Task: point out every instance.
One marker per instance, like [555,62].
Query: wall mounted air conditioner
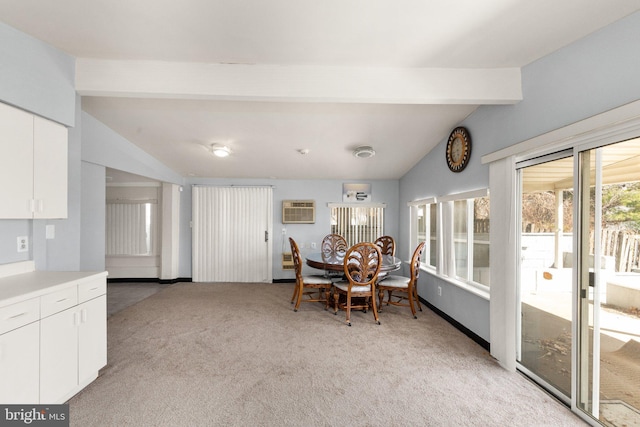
[298,211]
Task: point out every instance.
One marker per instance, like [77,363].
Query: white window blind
[357,223]
[232,234]
[128,228]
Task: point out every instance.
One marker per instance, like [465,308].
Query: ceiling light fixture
[220,150]
[364,151]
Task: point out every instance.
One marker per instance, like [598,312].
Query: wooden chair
[387,245]
[361,267]
[315,288]
[333,247]
[407,286]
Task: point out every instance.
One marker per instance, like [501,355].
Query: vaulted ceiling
[270,79]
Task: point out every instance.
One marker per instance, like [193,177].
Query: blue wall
[593,75]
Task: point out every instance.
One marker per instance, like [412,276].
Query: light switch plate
[50,231]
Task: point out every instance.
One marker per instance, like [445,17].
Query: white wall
[591,76]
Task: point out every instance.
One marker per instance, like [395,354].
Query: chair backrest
[387,245]
[297,263]
[362,264]
[333,246]
[415,261]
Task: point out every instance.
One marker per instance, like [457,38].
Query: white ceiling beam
[157,79]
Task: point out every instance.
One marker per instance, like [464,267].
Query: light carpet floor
[238,355]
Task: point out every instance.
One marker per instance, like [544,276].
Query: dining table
[335,262]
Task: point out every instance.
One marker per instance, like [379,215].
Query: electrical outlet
[284,231]
[439,291]
[23,244]
[313,245]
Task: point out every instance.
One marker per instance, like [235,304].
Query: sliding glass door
[579,279]
[608,303]
[546,270]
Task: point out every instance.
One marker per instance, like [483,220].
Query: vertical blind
[357,223]
[128,228]
[231,234]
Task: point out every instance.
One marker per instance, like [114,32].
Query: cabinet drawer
[90,290]
[19,314]
[58,301]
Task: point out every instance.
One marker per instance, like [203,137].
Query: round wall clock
[458,149]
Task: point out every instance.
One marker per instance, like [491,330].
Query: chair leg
[295,292]
[417,298]
[380,298]
[336,297]
[349,310]
[375,310]
[413,310]
[326,297]
[300,292]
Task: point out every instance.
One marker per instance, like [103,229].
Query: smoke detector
[364,151]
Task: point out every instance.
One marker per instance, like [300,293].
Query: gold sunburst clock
[458,149]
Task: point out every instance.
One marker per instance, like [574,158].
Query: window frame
[445,243]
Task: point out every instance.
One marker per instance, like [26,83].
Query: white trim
[471,288]
[357,205]
[473,194]
[427,201]
[611,126]
[133,184]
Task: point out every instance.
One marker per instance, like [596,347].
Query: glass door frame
[520,165]
[585,362]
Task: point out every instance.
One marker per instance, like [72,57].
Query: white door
[92,337]
[19,359]
[58,355]
[232,234]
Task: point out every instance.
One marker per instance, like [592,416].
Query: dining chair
[361,267]
[315,288]
[387,245]
[333,247]
[406,286]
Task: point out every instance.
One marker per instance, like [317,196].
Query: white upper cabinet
[16,163]
[49,169]
[33,166]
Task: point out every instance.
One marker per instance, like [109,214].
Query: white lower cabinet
[52,343]
[19,358]
[73,345]
[92,342]
[58,355]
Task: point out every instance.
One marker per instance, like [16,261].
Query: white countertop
[24,286]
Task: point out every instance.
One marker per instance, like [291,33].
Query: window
[471,239]
[424,218]
[130,228]
[361,223]
[456,230]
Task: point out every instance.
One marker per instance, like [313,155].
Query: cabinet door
[19,360]
[92,337]
[16,162]
[58,355]
[50,169]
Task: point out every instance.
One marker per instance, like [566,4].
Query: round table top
[336,262]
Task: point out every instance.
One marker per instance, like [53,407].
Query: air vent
[287,261]
[298,211]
